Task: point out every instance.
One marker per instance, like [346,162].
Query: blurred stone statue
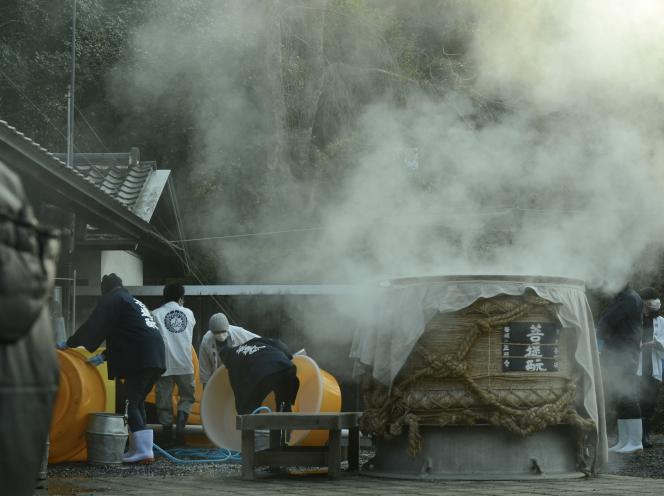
[28,364]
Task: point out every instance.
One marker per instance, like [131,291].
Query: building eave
[33,162]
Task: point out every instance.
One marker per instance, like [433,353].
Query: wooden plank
[334,454]
[275,445]
[354,449]
[297,449]
[248,455]
[275,439]
[291,458]
[311,421]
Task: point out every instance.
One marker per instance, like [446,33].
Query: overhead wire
[192,266]
[153,230]
[175,245]
[43,114]
[498,211]
[178,220]
[268,233]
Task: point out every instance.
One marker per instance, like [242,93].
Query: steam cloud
[563,179]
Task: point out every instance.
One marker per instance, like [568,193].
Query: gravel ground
[648,464]
[161,467]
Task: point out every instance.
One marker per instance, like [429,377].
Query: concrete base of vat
[477,453]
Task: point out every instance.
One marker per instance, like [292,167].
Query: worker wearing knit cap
[135,353]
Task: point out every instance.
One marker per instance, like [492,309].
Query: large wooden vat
[497,377]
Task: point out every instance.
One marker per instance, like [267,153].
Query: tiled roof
[119,175]
[131,189]
[114,173]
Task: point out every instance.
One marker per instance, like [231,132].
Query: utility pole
[70,94]
[71,272]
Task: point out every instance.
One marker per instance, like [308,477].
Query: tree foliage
[242,109]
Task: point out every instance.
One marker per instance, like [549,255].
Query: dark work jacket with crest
[133,341]
[253,361]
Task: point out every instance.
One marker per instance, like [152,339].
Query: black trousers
[138,385]
[649,389]
[285,385]
[621,384]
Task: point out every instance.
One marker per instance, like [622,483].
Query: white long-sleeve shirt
[176,325]
[208,358]
[657,355]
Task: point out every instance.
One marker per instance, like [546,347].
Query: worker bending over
[257,368]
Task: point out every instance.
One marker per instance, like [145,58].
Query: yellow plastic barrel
[319,392]
[83,390]
[195,415]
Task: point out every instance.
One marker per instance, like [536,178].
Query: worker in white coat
[650,359]
[176,325]
[219,331]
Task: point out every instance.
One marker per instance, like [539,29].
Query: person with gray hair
[219,331]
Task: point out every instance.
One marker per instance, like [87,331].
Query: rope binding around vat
[388,413]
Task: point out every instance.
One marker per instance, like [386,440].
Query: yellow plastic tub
[83,389]
[319,392]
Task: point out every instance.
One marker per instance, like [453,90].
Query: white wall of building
[126,264]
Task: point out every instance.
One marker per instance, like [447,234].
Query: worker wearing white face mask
[220,331]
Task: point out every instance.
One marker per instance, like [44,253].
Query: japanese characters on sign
[531,347]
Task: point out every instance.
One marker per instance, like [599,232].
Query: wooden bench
[281,455]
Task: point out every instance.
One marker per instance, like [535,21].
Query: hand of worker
[61,345]
[96,360]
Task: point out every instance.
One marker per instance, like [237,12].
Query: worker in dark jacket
[258,367]
[650,363]
[28,364]
[135,353]
[620,329]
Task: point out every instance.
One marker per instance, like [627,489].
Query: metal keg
[106,437]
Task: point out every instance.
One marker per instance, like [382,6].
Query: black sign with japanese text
[530,347]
